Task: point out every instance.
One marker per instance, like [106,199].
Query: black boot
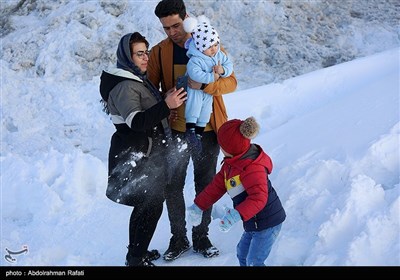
[203,246]
[149,256]
[177,246]
[152,255]
[138,262]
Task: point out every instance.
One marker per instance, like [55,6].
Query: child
[207,63]
[244,176]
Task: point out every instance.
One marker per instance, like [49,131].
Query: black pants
[146,195]
[204,170]
[143,223]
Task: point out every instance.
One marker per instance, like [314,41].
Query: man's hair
[170,7]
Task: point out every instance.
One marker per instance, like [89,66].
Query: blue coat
[200,69]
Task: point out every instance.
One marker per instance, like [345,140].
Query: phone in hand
[182,81]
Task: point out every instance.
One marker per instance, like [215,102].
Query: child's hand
[195,214]
[231,217]
[219,69]
[216,76]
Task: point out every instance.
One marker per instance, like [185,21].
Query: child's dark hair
[170,7]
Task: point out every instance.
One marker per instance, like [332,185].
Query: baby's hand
[219,69]
[216,76]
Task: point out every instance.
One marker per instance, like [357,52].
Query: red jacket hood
[241,161]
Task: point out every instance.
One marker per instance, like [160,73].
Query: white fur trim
[203,18]
[189,24]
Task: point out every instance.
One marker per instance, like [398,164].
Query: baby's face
[211,51]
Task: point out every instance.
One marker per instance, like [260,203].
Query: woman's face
[140,56]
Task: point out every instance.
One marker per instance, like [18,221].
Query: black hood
[108,82]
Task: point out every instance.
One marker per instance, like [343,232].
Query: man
[166,63]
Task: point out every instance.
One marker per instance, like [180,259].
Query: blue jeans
[254,246]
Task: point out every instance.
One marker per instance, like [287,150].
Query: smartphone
[182,81]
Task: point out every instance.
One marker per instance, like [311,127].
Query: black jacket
[137,156]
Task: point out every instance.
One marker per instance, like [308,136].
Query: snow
[332,133]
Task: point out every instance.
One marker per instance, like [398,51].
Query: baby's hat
[203,33]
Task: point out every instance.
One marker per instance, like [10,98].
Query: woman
[137,166]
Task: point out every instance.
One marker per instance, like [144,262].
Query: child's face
[211,51]
[225,153]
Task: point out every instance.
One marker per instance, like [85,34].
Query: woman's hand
[175,97]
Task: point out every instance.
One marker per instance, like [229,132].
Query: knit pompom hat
[203,34]
[234,136]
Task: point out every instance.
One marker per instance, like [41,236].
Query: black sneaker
[152,255]
[203,246]
[177,246]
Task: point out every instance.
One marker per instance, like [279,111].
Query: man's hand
[193,84]
[173,115]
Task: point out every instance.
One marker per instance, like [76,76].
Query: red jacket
[245,178]
[242,173]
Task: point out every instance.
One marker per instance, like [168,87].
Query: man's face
[173,27]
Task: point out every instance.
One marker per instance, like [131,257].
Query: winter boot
[138,262]
[152,255]
[194,142]
[177,246]
[149,256]
[203,246]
